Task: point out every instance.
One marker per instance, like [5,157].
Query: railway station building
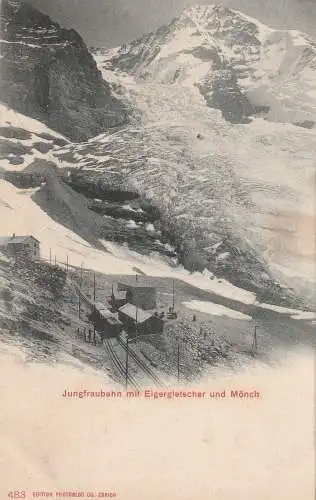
[137,321]
[118,297]
[139,295]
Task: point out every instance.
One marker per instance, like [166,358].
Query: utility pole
[172,295]
[126,364]
[55,261]
[80,286]
[178,358]
[81,274]
[255,341]
[94,293]
[136,319]
[50,256]
[67,264]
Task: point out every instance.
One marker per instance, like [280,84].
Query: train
[131,319]
[104,320]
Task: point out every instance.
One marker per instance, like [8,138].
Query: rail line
[116,360]
[118,364]
[141,364]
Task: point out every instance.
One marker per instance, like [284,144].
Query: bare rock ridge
[49,74]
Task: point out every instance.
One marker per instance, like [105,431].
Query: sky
[108,23]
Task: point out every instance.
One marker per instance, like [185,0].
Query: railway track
[141,364]
[116,360]
[119,365]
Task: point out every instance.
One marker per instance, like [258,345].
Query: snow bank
[215,309]
[295,313]
[21,215]
[155,265]
[11,117]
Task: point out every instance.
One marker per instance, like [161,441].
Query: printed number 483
[17,494]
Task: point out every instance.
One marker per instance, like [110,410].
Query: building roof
[114,321]
[106,314]
[136,285]
[5,240]
[104,311]
[135,313]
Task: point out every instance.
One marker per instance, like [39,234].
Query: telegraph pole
[255,341]
[173,295]
[136,319]
[50,255]
[80,286]
[178,359]
[126,364]
[94,336]
[67,263]
[81,274]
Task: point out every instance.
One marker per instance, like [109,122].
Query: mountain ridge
[241,66]
[49,74]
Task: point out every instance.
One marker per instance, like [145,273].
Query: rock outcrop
[48,74]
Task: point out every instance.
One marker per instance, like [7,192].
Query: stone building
[21,246]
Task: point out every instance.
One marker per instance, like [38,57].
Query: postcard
[157,249]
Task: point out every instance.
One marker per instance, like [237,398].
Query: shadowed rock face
[48,74]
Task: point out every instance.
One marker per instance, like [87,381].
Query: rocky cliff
[48,74]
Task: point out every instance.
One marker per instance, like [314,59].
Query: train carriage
[104,321]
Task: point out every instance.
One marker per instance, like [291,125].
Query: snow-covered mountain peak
[240,66]
[234,26]
[209,14]
[219,20]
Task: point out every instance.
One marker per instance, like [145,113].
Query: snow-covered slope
[233,200]
[242,196]
[240,65]
[25,141]
[23,211]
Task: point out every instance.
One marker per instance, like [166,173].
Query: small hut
[26,247]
